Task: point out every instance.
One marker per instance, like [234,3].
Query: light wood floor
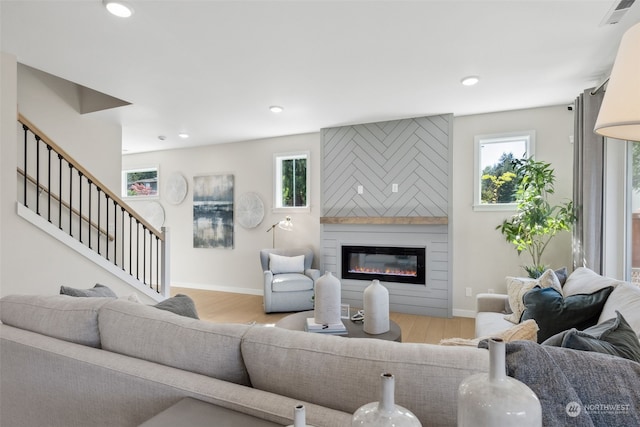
[217,306]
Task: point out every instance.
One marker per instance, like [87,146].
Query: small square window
[495,182]
[291,187]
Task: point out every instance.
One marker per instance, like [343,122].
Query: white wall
[481,256]
[251,163]
[32,261]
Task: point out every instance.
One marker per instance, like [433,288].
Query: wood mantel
[381,220]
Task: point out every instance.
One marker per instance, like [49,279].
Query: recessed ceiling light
[183,135]
[276,109]
[470,80]
[118,8]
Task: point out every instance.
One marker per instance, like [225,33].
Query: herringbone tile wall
[412,153]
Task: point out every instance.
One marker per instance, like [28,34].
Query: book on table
[326,328]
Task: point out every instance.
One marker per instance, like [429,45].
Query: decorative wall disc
[153,212]
[249,210]
[176,189]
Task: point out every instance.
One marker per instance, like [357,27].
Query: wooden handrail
[88,175]
[66,205]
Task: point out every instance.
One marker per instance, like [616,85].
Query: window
[291,181]
[140,183]
[495,182]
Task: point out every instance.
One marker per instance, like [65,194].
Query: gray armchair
[288,282]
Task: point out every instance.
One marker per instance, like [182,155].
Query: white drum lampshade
[619,115]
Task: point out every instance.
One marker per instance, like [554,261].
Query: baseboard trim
[464,313]
[211,287]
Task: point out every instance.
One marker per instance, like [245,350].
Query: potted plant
[536,221]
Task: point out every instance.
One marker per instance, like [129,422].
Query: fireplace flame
[386,271]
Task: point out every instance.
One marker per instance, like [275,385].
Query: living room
[128,362]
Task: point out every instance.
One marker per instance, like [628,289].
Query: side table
[191,412]
[297,321]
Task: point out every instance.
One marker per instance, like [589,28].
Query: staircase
[63,199]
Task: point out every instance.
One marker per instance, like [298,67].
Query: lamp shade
[619,115]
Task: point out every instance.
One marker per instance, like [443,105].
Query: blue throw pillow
[613,336]
[554,313]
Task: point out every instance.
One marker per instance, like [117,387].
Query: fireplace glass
[385,263]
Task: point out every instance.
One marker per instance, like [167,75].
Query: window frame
[277,180]
[529,136]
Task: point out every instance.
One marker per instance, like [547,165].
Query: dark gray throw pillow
[97,291]
[613,336]
[180,304]
[554,313]
[562,275]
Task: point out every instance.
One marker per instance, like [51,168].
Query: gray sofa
[69,362]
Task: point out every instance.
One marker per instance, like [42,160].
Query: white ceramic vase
[299,417]
[327,300]
[376,309]
[385,413]
[495,399]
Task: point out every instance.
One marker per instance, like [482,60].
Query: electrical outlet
[491,291]
[394,188]
[468,292]
[360,189]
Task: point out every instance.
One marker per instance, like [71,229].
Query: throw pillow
[613,336]
[626,299]
[554,313]
[562,275]
[97,291]
[279,264]
[527,330]
[180,304]
[585,281]
[517,287]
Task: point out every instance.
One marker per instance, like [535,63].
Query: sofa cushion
[625,298]
[554,313]
[613,336]
[586,281]
[286,264]
[490,323]
[142,331]
[344,373]
[97,291]
[291,282]
[518,286]
[58,316]
[180,304]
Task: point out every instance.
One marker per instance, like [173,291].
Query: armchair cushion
[286,264]
[291,282]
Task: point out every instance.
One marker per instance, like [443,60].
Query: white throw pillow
[279,264]
[626,299]
[518,286]
[585,281]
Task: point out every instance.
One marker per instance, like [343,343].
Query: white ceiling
[212,68]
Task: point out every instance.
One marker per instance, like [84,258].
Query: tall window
[291,180]
[494,179]
[633,233]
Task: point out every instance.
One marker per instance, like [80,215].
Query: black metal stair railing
[87,210]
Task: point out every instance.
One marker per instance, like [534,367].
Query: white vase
[376,309]
[385,413]
[299,417]
[495,399]
[327,300]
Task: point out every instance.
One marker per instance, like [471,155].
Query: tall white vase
[376,309]
[495,399]
[385,413]
[299,417]
[327,300]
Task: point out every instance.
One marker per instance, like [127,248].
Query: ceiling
[212,68]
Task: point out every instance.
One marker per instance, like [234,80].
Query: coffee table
[296,322]
[191,412]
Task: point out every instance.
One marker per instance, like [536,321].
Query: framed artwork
[140,183]
[213,211]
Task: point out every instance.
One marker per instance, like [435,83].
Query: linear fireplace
[386,263]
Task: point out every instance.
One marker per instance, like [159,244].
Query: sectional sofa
[67,362]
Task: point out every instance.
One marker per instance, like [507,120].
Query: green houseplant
[536,221]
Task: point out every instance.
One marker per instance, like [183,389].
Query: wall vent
[617,11]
